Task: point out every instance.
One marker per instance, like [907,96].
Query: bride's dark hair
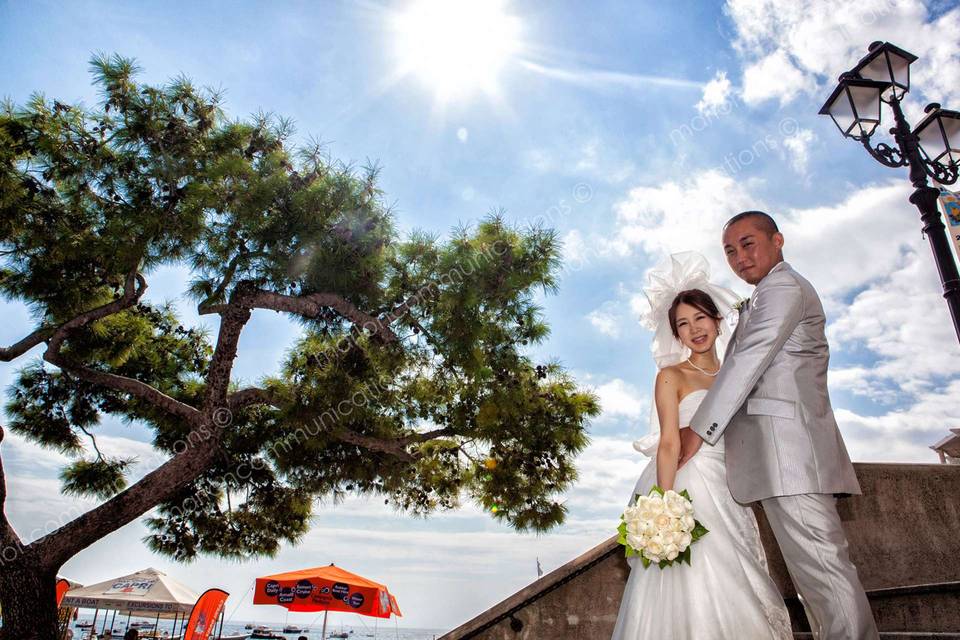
[695,298]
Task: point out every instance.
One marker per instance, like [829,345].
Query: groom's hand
[690,443]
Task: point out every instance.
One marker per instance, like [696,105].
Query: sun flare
[456,47]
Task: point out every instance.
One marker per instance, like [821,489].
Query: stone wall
[904,534]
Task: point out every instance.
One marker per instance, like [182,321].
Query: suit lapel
[742,320]
[736,331]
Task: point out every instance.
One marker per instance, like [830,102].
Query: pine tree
[410,380]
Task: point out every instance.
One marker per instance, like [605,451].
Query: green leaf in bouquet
[630,551]
[656,489]
[685,556]
[686,494]
[645,561]
[698,530]
[622,531]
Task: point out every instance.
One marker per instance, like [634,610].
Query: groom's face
[751,251]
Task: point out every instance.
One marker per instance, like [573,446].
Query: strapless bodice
[690,404]
[688,407]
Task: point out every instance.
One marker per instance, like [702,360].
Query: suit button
[714,425]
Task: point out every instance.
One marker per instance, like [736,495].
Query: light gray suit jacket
[770,398]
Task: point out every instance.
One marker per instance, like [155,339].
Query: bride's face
[697,330]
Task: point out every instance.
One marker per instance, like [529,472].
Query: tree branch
[428,435]
[134,387]
[227,279]
[133,289]
[393,447]
[232,321]
[160,484]
[16,350]
[131,386]
[308,306]
[250,396]
[8,537]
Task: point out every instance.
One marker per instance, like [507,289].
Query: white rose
[637,542]
[670,494]
[688,522]
[688,506]
[671,551]
[653,550]
[662,521]
[656,505]
[642,502]
[685,540]
[634,527]
[676,524]
[676,507]
[647,514]
[648,529]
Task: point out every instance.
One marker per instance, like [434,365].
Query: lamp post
[932,148]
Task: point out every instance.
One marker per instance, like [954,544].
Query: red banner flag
[62,587]
[394,606]
[204,616]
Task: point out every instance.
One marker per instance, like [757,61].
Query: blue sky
[633,128]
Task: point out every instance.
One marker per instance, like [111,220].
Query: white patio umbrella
[146,593]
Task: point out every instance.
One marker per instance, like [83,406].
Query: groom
[782,443]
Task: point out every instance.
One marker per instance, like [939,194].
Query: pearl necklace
[706,373]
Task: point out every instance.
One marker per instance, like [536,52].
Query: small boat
[292,628]
[266,632]
[84,625]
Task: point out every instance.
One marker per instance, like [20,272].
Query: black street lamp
[933,147]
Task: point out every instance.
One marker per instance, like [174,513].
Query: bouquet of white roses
[660,528]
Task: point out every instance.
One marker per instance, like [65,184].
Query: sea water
[371,630]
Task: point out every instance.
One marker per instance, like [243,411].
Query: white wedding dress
[726,593]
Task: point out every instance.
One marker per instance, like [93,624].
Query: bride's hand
[690,443]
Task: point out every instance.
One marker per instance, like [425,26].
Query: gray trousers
[814,547]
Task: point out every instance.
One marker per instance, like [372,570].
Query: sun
[456,47]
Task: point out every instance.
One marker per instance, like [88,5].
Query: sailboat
[340,634]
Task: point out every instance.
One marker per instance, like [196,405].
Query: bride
[726,591]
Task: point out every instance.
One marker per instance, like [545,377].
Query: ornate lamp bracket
[885,154]
[942,173]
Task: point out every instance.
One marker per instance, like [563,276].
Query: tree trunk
[28,597]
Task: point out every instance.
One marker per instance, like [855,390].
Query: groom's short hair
[763,220]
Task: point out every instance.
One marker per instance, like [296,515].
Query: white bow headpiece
[680,272]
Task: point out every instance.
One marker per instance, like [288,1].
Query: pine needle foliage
[412,380]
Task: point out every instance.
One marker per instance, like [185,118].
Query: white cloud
[677,216]
[584,157]
[797,149]
[603,79]
[607,319]
[716,94]
[902,435]
[904,321]
[774,76]
[619,398]
[790,48]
